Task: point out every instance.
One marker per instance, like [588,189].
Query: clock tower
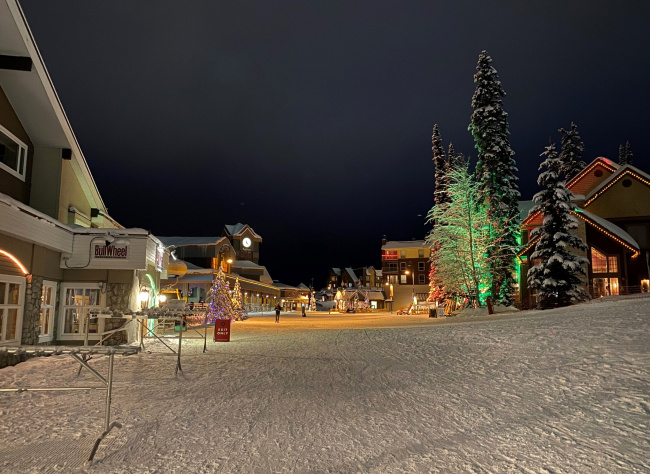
[245,241]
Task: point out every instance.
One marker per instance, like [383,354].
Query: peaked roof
[626,170]
[239,229]
[602,225]
[351,274]
[580,183]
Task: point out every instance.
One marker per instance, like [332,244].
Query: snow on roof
[184,241]
[246,264]
[337,271]
[233,229]
[609,226]
[404,244]
[524,209]
[351,273]
[302,286]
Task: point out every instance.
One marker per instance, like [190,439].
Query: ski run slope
[558,391]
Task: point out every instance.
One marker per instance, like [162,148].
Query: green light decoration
[152,301]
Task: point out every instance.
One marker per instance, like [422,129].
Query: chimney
[383,240]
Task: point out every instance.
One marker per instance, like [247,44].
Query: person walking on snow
[303,311]
[277,313]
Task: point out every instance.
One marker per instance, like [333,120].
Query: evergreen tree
[436,292]
[439,162]
[625,155]
[557,278]
[219,302]
[237,302]
[453,159]
[498,190]
[571,153]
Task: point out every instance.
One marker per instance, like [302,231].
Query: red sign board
[222,330]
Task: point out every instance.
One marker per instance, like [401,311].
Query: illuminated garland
[598,161]
[220,304]
[607,233]
[614,181]
[15,260]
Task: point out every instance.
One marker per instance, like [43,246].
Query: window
[13,154]
[47,310]
[421,253]
[601,263]
[77,302]
[402,254]
[421,279]
[402,265]
[421,266]
[391,267]
[12,298]
[392,279]
[403,279]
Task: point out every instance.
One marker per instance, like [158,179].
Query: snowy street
[561,391]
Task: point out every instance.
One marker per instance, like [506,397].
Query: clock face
[246,242]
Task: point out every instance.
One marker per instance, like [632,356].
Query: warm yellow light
[162,298]
[406,272]
[15,260]
[144,296]
[229,260]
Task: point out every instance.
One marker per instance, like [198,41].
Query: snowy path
[555,391]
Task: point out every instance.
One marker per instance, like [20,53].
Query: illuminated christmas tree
[237,302]
[219,301]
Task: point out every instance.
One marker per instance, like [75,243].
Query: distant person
[278,308]
[304,315]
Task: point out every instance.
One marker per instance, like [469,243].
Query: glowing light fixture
[15,260]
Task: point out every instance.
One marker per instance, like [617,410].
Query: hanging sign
[222,330]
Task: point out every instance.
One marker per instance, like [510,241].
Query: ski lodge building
[612,205]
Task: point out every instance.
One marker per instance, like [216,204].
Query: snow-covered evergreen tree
[219,302]
[498,187]
[237,302]
[557,278]
[453,159]
[440,194]
[625,155]
[436,292]
[571,152]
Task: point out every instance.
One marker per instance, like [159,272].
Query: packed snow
[564,390]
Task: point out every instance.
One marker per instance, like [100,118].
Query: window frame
[22,147]
[421,266]
[22,282]
[402,266]
[422,279]
[402,279]
[74,336]
[49,334]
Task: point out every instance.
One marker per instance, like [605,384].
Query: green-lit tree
[440,195]
[498,190]
[461,239]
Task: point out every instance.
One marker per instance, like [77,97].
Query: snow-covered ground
[556,391]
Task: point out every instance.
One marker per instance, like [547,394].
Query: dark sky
[311,120]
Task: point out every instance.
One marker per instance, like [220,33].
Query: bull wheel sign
[222,330]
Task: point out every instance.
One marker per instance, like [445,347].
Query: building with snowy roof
[405,266]
[612,205]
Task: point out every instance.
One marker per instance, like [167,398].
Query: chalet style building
[612,205]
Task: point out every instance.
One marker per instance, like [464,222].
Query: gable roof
[351,274]
[582,183]
[626,170]
[239,229]
[604,226]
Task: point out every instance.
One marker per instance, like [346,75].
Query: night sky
[311,121]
